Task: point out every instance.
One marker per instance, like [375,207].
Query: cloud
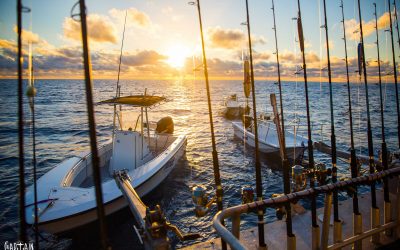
[353,27]
[134,17]
[28,36]
[230,38]
[145,57]
[100,29]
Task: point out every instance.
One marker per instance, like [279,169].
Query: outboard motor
[165,125]
[200,200]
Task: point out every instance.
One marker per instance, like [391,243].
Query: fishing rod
[261,237]
[217,177]
[337,222]
[353,159]
[21,179]
[92,126]
[315,227]
[285,163]
[31,92]
[397,21]
[384,153]
[358,218]
[395,76]
[117,90]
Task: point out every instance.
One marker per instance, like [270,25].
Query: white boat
[66,195]
[268,138]
[233,108]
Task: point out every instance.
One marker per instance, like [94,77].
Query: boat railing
[319,130]
[233,213]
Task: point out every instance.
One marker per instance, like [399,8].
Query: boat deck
[275,232]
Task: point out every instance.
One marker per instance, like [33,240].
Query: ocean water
[61,122]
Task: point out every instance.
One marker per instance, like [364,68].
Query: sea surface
[62,132]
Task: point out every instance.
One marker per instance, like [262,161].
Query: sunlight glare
[177,56]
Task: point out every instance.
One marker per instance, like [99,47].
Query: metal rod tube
[217,178]
[92,127]
[261,237]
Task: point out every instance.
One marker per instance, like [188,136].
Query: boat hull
[71,222]
[293,152]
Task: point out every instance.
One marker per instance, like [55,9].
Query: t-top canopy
[136,100]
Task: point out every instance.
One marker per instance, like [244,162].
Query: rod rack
[234,212]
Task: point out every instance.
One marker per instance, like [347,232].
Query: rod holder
[326,222]
[337,231]
[291,242]
[388,216]
[398,208]
[357,229]
[315,237]
[375,223]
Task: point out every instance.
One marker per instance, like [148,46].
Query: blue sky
[163,32]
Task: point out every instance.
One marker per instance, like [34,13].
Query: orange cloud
[28,36]
[230,38]
[100,29]
[353,27]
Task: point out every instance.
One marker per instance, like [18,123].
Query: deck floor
[275,232]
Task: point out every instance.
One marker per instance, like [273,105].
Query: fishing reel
[299,180]
[247,194]
[157,226]
[395,157]
[201,200]
[280,211]
[322,173]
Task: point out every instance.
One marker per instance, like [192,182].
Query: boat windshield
[129,120]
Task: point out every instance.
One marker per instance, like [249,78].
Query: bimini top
[136,100]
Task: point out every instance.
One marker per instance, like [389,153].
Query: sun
[177,55]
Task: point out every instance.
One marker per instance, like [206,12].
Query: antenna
[118,90]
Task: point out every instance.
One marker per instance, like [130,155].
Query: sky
[162,38]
